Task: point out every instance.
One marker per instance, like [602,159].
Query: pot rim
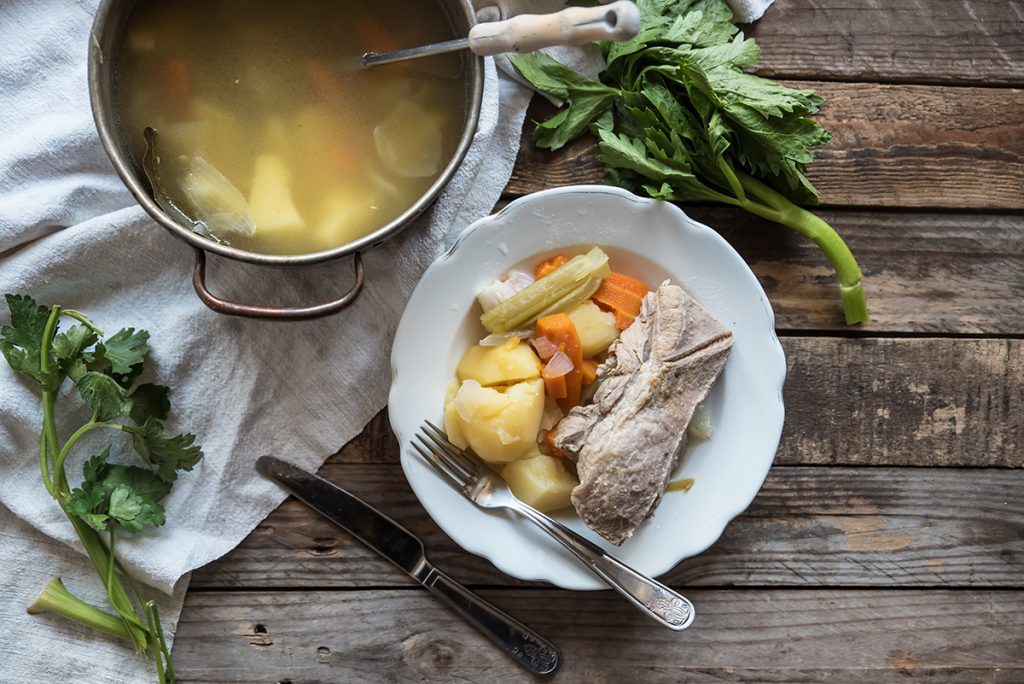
[101,99]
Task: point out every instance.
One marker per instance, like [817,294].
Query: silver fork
[471,476]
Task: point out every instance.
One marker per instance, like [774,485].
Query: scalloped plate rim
[710,530]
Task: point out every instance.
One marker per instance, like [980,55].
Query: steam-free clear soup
[269,130]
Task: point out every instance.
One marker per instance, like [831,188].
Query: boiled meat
[628,440]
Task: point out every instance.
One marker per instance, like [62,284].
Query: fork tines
[449,460]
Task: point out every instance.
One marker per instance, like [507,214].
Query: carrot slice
[548,265]
[560,330]
[549,442]
[588,371]
[622,295]
[555,385]
[176,80]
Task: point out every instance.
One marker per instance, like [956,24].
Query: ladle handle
[227,308]
[573,26]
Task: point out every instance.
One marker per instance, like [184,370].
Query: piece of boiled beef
[628,440]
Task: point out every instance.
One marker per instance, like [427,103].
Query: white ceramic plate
[644,238]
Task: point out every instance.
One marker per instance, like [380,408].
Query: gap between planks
[775,635]
[893,146]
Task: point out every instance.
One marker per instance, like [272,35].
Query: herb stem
[55,598]
[44,463]
[116,593]
[158,636]
[81,318]
[781,210]
[58,464]
[49,393]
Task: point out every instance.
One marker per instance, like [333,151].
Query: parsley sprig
[677,118]
[111,496]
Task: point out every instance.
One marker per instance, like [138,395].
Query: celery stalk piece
[557,292]
[573,298]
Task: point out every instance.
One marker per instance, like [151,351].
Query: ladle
[617,21]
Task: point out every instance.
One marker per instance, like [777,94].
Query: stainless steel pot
[105,41]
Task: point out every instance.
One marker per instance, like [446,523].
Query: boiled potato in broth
[272,97]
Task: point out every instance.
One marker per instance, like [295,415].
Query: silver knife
[405,550]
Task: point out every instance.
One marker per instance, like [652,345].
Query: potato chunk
[271,196]
[500,365]
[595,327]
[540,481]
[500,425]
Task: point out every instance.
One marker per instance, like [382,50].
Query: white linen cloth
[71,234]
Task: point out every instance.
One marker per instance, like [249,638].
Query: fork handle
[652,597]
[532,651]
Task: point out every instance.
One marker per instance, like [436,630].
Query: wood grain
[966,41]
[807,527]
[875,402]
[919,402]
[739,636]
[893,146]
[923,272]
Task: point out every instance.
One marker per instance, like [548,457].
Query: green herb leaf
[127,495]
[69,348]
[21,340]
[166,454]
[678,118]
[586,99]
[103,394]
[149,401]
[125,349]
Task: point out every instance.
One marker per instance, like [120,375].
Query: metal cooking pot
[107,31]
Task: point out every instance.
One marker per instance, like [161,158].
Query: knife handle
[534,652]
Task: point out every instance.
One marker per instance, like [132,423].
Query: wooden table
[888,541]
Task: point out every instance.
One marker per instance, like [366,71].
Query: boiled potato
[271,197]
[595,327]
[500,425]
[452,422]
[700,424]
[409,140]
[224,142]
[499,365]
[540,481]
[344,215]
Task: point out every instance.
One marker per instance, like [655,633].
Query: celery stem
[781,210]
[55,598]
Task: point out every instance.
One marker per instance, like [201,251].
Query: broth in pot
[270,131]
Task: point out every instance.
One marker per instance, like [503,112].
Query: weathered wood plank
[962,41]
[894,146]
[807,527]
[920,402]
[739,636]
[924,273]
[871,401]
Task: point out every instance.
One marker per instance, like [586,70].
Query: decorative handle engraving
[672,609]
[651,596]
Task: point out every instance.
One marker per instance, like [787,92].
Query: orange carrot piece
[548,265]
[560,330]
[555,386]
[589,372]
[377,36]
[549,442]
[622,295]
[628,283]
[176,80]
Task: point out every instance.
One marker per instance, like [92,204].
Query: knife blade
[406,551]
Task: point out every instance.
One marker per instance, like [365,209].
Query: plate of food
[613,359]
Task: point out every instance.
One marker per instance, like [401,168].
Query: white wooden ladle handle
[572,26]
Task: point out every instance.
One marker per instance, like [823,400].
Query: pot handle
[268,313]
